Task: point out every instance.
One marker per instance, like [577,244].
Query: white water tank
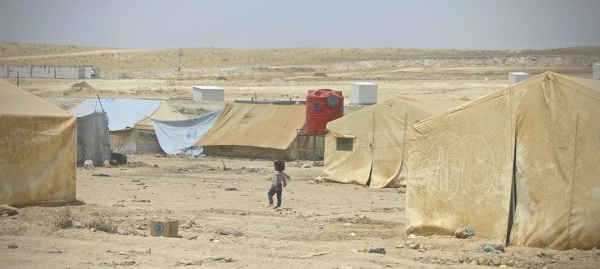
[516,77]
[208,93]
[597,71]
[363,93]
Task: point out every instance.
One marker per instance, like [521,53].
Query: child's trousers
[272,192]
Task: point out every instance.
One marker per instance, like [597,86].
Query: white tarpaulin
[181,136]
[130,123]
[123,113]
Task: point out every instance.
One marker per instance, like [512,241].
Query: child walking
[279,181]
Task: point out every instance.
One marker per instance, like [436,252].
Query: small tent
[38,148]
[257,130]
[369,147]
[130,122]
[520,164]
[182,136]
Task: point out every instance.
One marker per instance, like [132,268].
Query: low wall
[66,72]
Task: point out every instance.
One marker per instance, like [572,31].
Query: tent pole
[314,150]
[298,131]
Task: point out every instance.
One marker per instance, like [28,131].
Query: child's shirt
[279,177]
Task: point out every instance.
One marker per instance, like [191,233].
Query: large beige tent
[368,147]
[130,121]
[255,130]
[537,142]
[38,149]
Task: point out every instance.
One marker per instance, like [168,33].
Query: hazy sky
[468,24]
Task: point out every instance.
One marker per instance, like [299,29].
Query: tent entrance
[513,194]
[370,173]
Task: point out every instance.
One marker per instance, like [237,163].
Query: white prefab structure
[596,71]
[516,77]
[208,93]
[363,93]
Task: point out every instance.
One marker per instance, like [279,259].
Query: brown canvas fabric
[163,112]
[380,134]
[545,129]
[256,131]
[38,149]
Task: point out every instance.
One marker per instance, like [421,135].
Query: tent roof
[256,125]
[431,106]
[127,113]
[16,101]
[352,121]
[403,104]
[592,86]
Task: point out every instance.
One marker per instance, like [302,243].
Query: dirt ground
[224,222]
[223,217]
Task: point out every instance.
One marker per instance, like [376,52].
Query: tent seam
[572,186]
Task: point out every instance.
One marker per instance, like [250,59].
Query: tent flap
[93,140]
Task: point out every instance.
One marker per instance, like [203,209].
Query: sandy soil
[221,227]
[321,225]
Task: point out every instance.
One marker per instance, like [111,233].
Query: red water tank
[322,106]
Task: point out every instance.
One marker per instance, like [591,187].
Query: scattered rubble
[6,210]
[464,232]
[88,165]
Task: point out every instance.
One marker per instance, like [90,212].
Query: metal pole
[314,150]
[298,146]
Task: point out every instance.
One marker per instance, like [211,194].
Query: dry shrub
[63,218]
[102,222]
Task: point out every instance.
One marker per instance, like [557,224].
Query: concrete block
[363,93]
[208,93]
[516,77]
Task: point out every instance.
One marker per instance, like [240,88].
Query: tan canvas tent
[537,141]
[368,147]
[38,149]
[130,121]
[255,130]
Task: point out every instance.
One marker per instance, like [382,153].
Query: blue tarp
[181,136]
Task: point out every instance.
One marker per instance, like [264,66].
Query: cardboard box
[164,227]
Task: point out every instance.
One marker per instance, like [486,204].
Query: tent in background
[130,123]
[255,130]
[369,147]
[182,136]
[93,140]
[520,164]
[38,149]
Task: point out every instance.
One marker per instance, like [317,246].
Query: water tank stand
[302,133]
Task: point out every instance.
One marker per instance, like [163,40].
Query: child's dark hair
[279,165]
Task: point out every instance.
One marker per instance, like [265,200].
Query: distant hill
[193,58]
